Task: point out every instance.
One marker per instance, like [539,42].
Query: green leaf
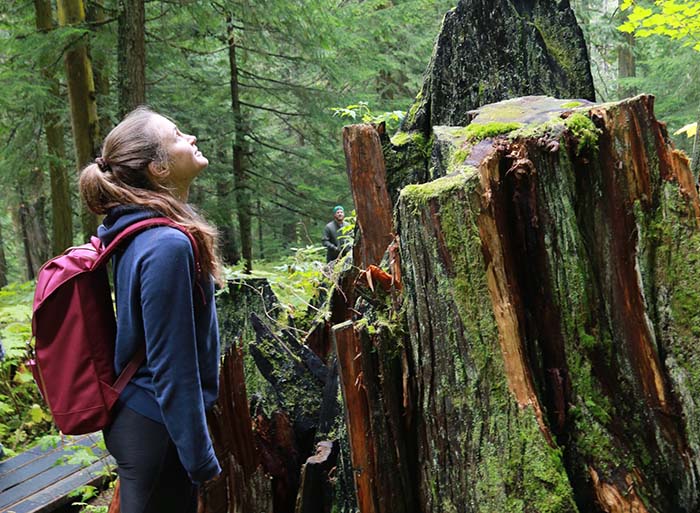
[690,129]
[36,413]
[639,13]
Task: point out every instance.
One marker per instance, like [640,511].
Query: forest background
[265,86]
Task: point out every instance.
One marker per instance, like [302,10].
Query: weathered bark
[61,211]
[371,369]
[31,217]
[240,175]
[97,19]
[81,92]
[488,51]
[358,415]
[367,174]
[242,298]
[261,244]
[131,42]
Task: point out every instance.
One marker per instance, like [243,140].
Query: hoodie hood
[120,217]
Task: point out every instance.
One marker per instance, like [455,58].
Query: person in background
[334,245]
[165,302]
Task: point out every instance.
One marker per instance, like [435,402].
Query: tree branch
[270,109]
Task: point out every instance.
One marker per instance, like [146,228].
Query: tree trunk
[30,264]
[3,261]
[81,92]
[260,230]
[96,18]
[61,211]
[131,69]
[240,175]
[242,486]
[626,66]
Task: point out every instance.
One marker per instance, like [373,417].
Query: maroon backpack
[74,328]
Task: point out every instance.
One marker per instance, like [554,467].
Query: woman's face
[185,161]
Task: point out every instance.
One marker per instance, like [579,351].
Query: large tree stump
[488,51]
[557,371]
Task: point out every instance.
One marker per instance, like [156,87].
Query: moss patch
[478,131]
[584,130]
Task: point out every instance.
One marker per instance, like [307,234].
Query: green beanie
[338,207]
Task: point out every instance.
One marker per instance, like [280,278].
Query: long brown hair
[121,176]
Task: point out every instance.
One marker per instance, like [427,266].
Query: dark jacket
[159,304]
[331,240]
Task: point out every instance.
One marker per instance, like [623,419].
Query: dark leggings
[152,478]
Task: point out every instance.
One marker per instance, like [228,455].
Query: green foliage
[678,20]
[22,412]
[362,110]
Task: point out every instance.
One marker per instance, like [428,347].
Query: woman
[159,436]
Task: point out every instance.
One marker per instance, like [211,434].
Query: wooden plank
[39,462]
[41,472]
[24,458]
[56,494]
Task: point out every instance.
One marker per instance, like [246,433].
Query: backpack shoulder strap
[139,227]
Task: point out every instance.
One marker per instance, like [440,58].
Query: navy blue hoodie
[159,305]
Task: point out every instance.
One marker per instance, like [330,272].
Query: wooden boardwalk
[33,482]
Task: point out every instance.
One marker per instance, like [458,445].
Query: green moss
[418,195]
[571,105]
[584,130]
[557,38]
[413,110]
[478,131]
[457,158]
[587,341]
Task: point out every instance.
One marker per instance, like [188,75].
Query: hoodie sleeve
[167,278]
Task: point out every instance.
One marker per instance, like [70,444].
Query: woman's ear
[158,170]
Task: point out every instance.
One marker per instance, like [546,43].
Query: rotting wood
[241,487]
[557,255]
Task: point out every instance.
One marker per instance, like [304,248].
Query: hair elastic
[102,164]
